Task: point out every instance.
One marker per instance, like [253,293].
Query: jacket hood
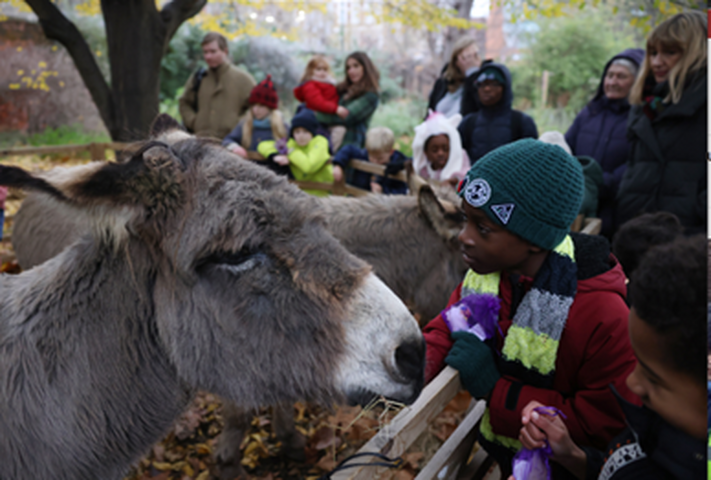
[675,451]
[634,55]
[437,124]
[507,97]
[598,269]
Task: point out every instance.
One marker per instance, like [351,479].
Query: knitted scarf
[531,343]
[654,94]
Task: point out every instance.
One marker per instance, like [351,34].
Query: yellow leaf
[42,65]
[14,86]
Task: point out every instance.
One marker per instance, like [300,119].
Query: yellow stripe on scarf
[534,351]
[488,433]
[488,283]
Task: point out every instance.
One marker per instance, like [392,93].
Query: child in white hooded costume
[437,152]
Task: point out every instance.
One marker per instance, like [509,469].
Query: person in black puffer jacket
[496,123]
[666,170]
[600,129]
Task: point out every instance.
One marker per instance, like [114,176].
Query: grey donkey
[410,241]
[197,266]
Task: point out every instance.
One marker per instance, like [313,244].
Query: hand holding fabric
[475,362]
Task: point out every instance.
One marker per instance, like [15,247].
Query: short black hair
[669,294]
[639,234]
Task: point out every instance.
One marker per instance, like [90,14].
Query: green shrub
[400,116]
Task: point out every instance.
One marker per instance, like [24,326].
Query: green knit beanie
[530,188]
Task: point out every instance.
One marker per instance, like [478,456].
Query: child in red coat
[553,303]
[317,91]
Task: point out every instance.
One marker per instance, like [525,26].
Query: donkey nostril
[410,359]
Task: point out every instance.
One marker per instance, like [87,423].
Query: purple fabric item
[477,313]
[533,464]
[281,146]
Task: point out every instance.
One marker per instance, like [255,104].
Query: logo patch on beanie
[503,212]
[477,192]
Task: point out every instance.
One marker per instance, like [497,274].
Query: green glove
[475,362]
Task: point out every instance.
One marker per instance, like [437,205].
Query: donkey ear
[164,123]
[444,217]
[151,178]
[19,178]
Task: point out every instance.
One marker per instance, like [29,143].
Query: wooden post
[97,151]
[544,88]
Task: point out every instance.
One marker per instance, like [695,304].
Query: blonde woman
[666,170]
[455,91]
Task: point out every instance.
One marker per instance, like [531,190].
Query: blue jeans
[2,221]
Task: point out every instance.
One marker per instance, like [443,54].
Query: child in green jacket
[306,154]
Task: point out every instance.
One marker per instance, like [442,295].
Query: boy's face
[437,151]
[487,247]
[674,395]
[381,158]
[302,137]
[490,92]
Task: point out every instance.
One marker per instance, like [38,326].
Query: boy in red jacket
[557,301]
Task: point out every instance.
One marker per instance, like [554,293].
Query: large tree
[137,34]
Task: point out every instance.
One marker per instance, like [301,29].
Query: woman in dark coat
[667,126]
[600,129]
[455,91]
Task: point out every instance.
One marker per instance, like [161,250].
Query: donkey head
[252,298]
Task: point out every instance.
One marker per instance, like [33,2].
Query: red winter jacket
[594,352]
[318,96]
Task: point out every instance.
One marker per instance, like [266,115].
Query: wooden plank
[376,169]
[592,226]
[394,439]
[479,466]
[577,223]
[450,457]
[307,185]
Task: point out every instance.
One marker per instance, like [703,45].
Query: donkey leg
[227,452]
[292,441]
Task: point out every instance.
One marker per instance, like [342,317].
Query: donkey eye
[234,262]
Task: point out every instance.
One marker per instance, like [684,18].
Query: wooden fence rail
[97,151]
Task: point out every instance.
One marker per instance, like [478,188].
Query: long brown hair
[316,61]
[685,31]
[276,120]
[369,83]
[454,76]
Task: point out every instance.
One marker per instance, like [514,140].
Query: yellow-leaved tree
[138,33]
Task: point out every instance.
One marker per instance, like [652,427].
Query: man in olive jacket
[216,106]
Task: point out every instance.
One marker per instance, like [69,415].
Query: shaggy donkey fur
[410,241]
[197,266]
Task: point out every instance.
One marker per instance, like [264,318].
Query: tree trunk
[137,35]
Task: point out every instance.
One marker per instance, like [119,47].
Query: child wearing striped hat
[557,299]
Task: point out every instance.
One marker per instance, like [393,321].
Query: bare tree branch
[176,12]
[57,27]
